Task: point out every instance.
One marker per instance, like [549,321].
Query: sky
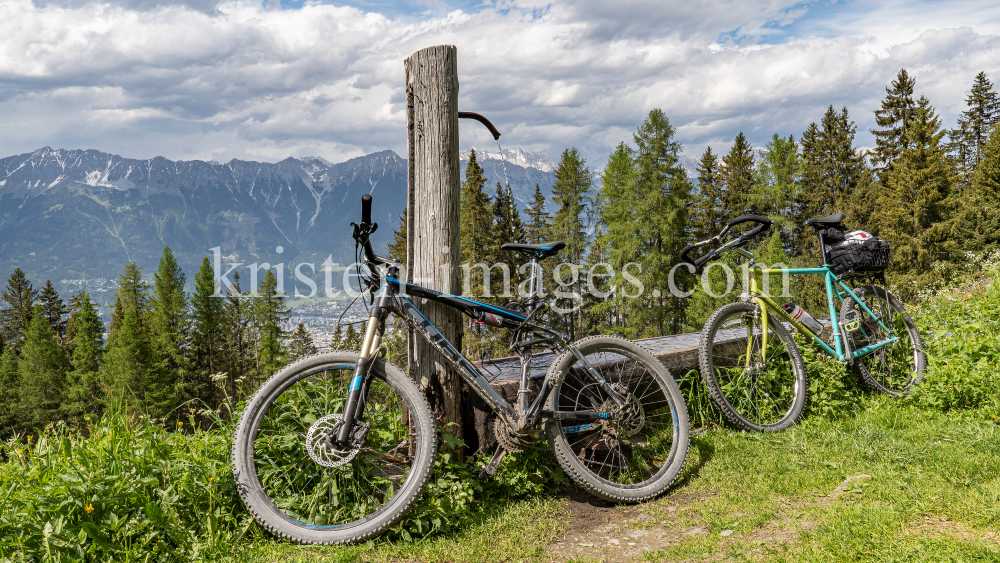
[217,80]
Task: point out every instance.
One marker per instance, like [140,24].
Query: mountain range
[78,216]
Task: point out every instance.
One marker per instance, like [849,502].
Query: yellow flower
[179,423]
[212,479]
[29,437]
[89,508]
[19,451]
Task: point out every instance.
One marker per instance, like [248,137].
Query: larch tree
[776,181]
[571,197]
[617,205]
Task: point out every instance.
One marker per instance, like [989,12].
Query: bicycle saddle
[827,221]
[540,250]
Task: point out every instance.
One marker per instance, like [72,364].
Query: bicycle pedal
[488,471]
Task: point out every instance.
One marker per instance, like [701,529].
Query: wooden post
[433,218]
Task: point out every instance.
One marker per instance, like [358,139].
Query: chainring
[510,441]
[317,444]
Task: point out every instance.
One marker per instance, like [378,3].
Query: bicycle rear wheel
[299,485]
[639,451]
[757,385]
[895,368]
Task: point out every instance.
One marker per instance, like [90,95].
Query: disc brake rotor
[631,418]
[318,446]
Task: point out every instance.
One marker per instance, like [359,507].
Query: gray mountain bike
[334,448]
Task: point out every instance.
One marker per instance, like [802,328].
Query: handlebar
[366,209]
[363,231]
[764,224]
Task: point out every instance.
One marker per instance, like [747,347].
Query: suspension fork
[355,407]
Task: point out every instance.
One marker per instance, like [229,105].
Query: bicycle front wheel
[636,453]
[301,486]
[757,380]
[894,368]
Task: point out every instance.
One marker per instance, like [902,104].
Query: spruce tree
[86,331]
[129,365]
[894,117]
[132,293]
[976,123]
[536,228]
[301,345]
[16,318]
[352,341]
[507,227]
[207,322]
[269,313]
[10,392]
[337,342]
[915,207]
[237,351]
[168,330]
[571,196]
[737,173]
[708,213]
[42,368]
[55,312]
[397,248]
[476,226]
[984,207]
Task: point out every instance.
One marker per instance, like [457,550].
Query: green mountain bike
[751,366]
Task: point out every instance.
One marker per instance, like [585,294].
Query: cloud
[241,80]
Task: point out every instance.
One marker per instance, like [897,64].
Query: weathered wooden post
[433,218]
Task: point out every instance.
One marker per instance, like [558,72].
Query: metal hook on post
[480,118]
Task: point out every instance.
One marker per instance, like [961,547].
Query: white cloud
[199,80]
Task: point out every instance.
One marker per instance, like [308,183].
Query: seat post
[533,282]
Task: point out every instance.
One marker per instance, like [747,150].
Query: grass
[862,478]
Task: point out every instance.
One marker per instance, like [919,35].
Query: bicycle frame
[394,297]
[834,286]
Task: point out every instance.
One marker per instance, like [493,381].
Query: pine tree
[737,173]
[10,391]
[536,228]
[708,213]
[42,368]
[915,206]
[15,320]
[55,312]
[301,345]
[571,196]
[337,343]
[87,344]
[352,341]
[207,321]
[975,124]
[168,330]
[397,248]
[894,117]
[269,312]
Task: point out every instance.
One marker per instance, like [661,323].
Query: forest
[932,191]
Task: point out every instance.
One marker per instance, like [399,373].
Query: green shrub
[833,389]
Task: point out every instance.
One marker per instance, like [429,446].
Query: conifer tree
[352,341]
[55,311]
[915,207]
[237,353]
[129,363]
[42,368]
[86,332]
[207,333]
[776,181]
[571,196]
[476,225]
[617,198]
[397,248]
[894,117]
[975,124]
[10,392]
[536,228]
[168,330]
[301,345]
[132,293]
[507,227]
[708,211]
[983,211]
[737,172]
[337,343]
[269,313]
[16,318]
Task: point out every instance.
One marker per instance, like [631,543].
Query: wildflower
[179,423]
[19,451]
[89,508]
[29,437]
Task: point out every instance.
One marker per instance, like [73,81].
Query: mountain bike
[750,363]
[335,447]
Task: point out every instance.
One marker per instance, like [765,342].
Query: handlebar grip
[746,218]
[366,209]
[756,230]
[684,253]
